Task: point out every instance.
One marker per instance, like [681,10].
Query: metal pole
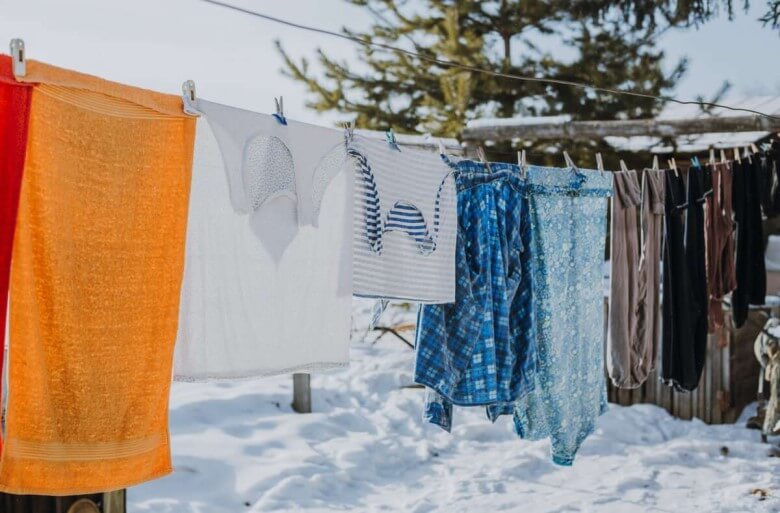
[301,393]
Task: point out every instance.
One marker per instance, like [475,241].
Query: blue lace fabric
[480,350]
[568,217]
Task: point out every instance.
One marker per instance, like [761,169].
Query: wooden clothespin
[656,167]
[483,158]
[754,149]
[599,163]
[188,98]
[18,59]
[712,155]
[736,154]
[623,166]
[569,161]
[521,162]
[279,115]
[748,155]
[673,165]
[723,158]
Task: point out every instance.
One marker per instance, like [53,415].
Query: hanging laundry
[480,350]
[568,226]
[679,356]
[678,368]
[635,245]
[405,223]
[719,239]
[14,114]
[695,255]
[750,267]
[95,282]
[267,283]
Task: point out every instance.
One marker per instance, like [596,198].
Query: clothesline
[221,243]
[455,64]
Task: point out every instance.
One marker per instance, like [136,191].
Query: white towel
[268,269]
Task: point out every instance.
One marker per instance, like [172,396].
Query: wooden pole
[590,130]
[301,393]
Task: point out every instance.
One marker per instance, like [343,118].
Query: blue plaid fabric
[480,350]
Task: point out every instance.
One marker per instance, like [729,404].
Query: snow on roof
[700,142]
[519,121]
[684,143]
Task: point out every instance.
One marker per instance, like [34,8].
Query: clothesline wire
[475,69]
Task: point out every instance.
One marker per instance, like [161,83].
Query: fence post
[301,393]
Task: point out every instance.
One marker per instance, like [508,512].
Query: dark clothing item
[678,365]
[750,268]
[695,255]
[719,236]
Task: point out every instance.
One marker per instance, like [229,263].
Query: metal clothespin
[748,155]
[18,59]
[390,137]
[188,98]
[279,115]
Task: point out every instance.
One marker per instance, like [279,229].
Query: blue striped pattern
[403,217]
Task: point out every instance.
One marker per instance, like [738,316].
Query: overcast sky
[160,43]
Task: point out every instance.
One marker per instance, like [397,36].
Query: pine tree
[772,16]
[409,94]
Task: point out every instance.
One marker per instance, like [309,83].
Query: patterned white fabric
[405,223]
[268,270]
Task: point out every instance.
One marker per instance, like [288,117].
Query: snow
[519,121]
[239,447]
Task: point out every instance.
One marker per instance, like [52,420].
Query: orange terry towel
[96,271]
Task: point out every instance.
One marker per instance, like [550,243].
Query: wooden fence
[728,384]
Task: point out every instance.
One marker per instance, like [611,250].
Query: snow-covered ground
[238,447]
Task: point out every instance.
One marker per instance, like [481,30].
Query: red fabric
[14,113]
